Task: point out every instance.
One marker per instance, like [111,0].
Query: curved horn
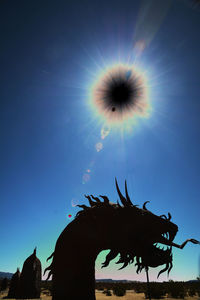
[110,256]
[127,196]
[47,269]
[122,198]
[105,198]
[96,199]
[171,265]
[169,216]
[92,203]
[163,270]
[118,204]
[49,274]
[144,205]
[50,256]
[124,265]
[163,216]
[138,268]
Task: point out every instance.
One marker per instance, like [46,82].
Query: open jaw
[166,238]
[160,248]
[155,257]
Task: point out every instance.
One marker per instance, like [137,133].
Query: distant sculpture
[14,285]
[30,279]
[124,229]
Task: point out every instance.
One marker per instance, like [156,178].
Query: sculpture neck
[74,264]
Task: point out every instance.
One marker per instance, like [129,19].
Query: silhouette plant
[191,292]
[119,290]
[4,284]
[177,290]
[107,292]
[157,291]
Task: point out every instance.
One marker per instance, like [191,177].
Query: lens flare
[139,47]
[99,146]
[85,178]
[69,216]
[120,94]
[104,132]
[74,202]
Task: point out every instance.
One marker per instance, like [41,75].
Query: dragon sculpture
[123,228]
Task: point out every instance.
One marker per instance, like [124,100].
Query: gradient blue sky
[51,53]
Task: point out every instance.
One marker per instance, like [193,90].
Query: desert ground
[130,295]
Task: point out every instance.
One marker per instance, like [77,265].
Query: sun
[120,94]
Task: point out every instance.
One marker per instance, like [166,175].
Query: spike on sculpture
[125,229]
[30,279]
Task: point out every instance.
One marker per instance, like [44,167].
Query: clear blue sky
[51,53]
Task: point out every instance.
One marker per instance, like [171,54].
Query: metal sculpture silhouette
[14,285]
[30,279]
[123,228]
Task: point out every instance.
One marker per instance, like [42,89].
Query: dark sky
[52,151]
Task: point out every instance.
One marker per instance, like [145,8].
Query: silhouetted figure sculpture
[30,279]
[14,285]
[124,229]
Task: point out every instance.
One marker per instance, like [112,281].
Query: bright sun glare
[119,96]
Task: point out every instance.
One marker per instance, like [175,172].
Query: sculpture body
[14,285]
[30,279]
[124,229]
